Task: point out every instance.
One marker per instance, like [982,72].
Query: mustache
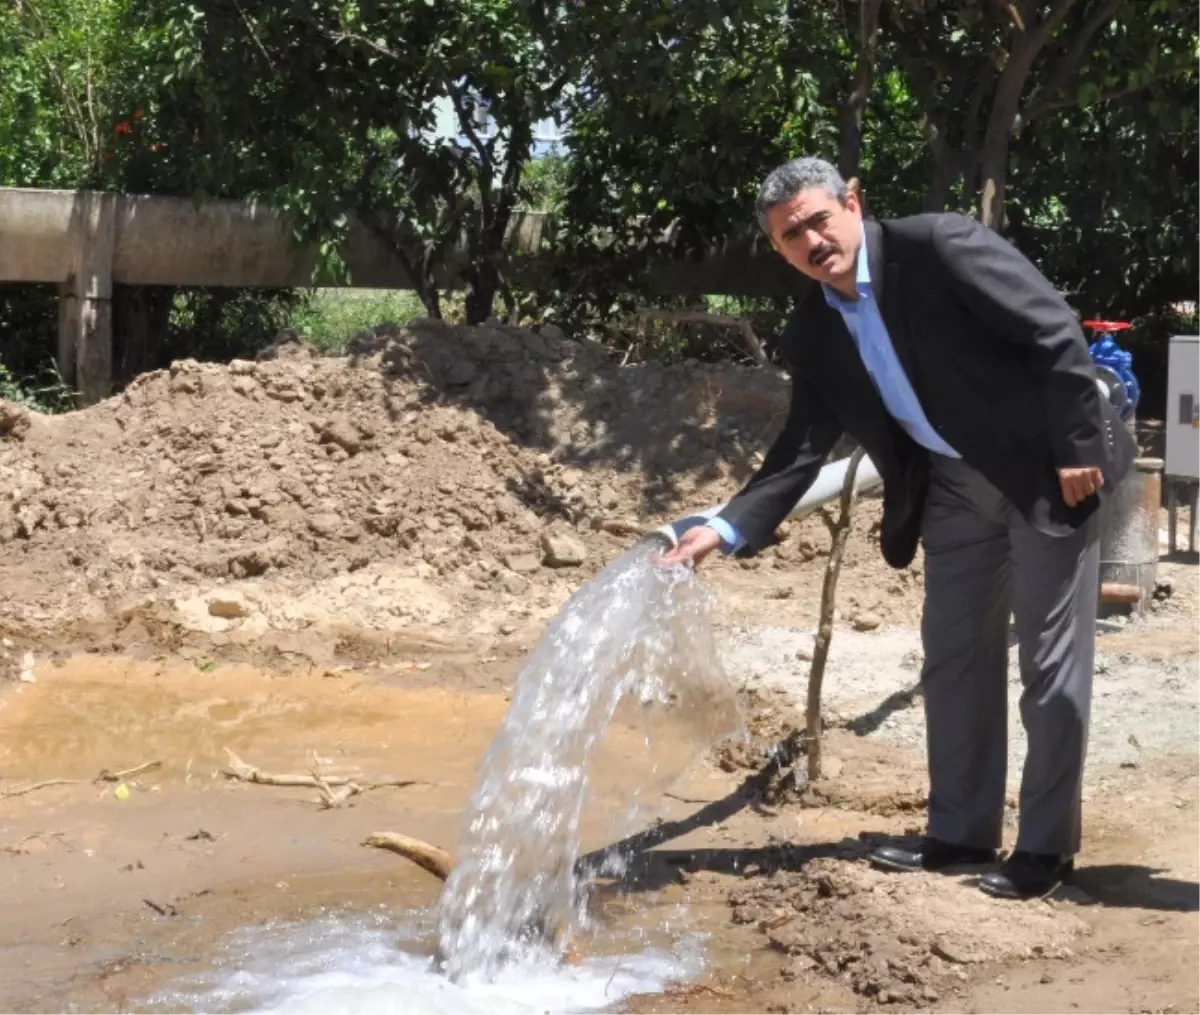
[821,251]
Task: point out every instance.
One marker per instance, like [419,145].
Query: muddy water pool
[193,892]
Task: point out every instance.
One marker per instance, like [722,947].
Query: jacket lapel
[885,282]
[831,358]
[875,259]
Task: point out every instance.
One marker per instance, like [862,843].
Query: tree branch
[1047,28]
[1067,101]
[90,140]
[850,145]
[339,37]
[484,151]
[249,23]
[983,77]
[1068,64]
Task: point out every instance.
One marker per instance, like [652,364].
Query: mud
[109,887]
[111,900]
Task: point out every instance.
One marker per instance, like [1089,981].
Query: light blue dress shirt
[870,335]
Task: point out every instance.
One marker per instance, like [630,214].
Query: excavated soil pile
[434,468]
[895,940]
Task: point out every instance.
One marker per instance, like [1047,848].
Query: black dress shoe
[1027,875]
[931,855]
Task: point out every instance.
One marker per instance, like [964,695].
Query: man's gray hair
[788,180]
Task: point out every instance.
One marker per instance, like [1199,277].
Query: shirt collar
[862,279]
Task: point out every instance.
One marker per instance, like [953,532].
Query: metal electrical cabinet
[1183,408]
[1182,425]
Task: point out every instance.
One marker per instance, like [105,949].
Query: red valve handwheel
[1107,325]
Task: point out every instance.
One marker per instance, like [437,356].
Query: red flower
[156,147]
[123,128]
[137,114]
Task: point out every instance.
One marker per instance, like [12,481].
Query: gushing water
[342,963]
[637,636]
[630,651]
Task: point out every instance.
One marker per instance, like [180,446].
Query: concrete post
[85,353]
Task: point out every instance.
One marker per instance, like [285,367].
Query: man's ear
[854,189]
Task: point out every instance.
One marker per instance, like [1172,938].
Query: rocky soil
[854,924]
[449,477]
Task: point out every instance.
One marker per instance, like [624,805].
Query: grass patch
[329,318]
[47,393]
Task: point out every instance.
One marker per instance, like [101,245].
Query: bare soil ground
[339,564]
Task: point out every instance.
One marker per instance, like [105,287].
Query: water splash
[343,963]
[638,637]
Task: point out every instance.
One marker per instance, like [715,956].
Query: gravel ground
[1142,706]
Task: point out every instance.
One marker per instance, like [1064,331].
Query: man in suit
[963,374]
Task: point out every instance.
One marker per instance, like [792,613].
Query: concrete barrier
[87,241]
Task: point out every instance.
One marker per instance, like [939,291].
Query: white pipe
[827,487]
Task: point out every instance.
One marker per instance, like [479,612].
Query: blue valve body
[1107,353]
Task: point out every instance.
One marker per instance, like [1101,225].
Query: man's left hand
[1079,484]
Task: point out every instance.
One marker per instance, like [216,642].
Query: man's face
[818,235]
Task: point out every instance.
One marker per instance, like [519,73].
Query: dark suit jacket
[998,363]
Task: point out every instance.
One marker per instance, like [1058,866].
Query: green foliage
[684,113]
[77,110]
[1107,196]
[329,318]
[329,109]
[47,393]
[224,324]
[544,183]
[60,69]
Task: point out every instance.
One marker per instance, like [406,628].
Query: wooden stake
[839,532]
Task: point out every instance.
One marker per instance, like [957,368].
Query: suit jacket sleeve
[789,469]
[1015,301]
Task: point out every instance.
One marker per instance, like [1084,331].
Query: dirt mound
[434,467]
[897,940]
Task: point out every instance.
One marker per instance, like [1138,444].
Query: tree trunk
[1028,42]
[942,182]
[993,157]
[993,178]
[141,314]
[946,165]
[484,281]
[850,144]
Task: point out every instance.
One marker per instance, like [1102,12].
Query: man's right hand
[694,545]
[1079,484]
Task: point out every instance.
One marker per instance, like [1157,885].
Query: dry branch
[839,532]
[33,787]
[432,858]
[692,990]
[335,790]
[740,324]
[105,776]
[127,773]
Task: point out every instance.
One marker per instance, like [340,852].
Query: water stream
[632,649]
[638,637]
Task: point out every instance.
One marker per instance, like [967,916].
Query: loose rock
[562,550]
